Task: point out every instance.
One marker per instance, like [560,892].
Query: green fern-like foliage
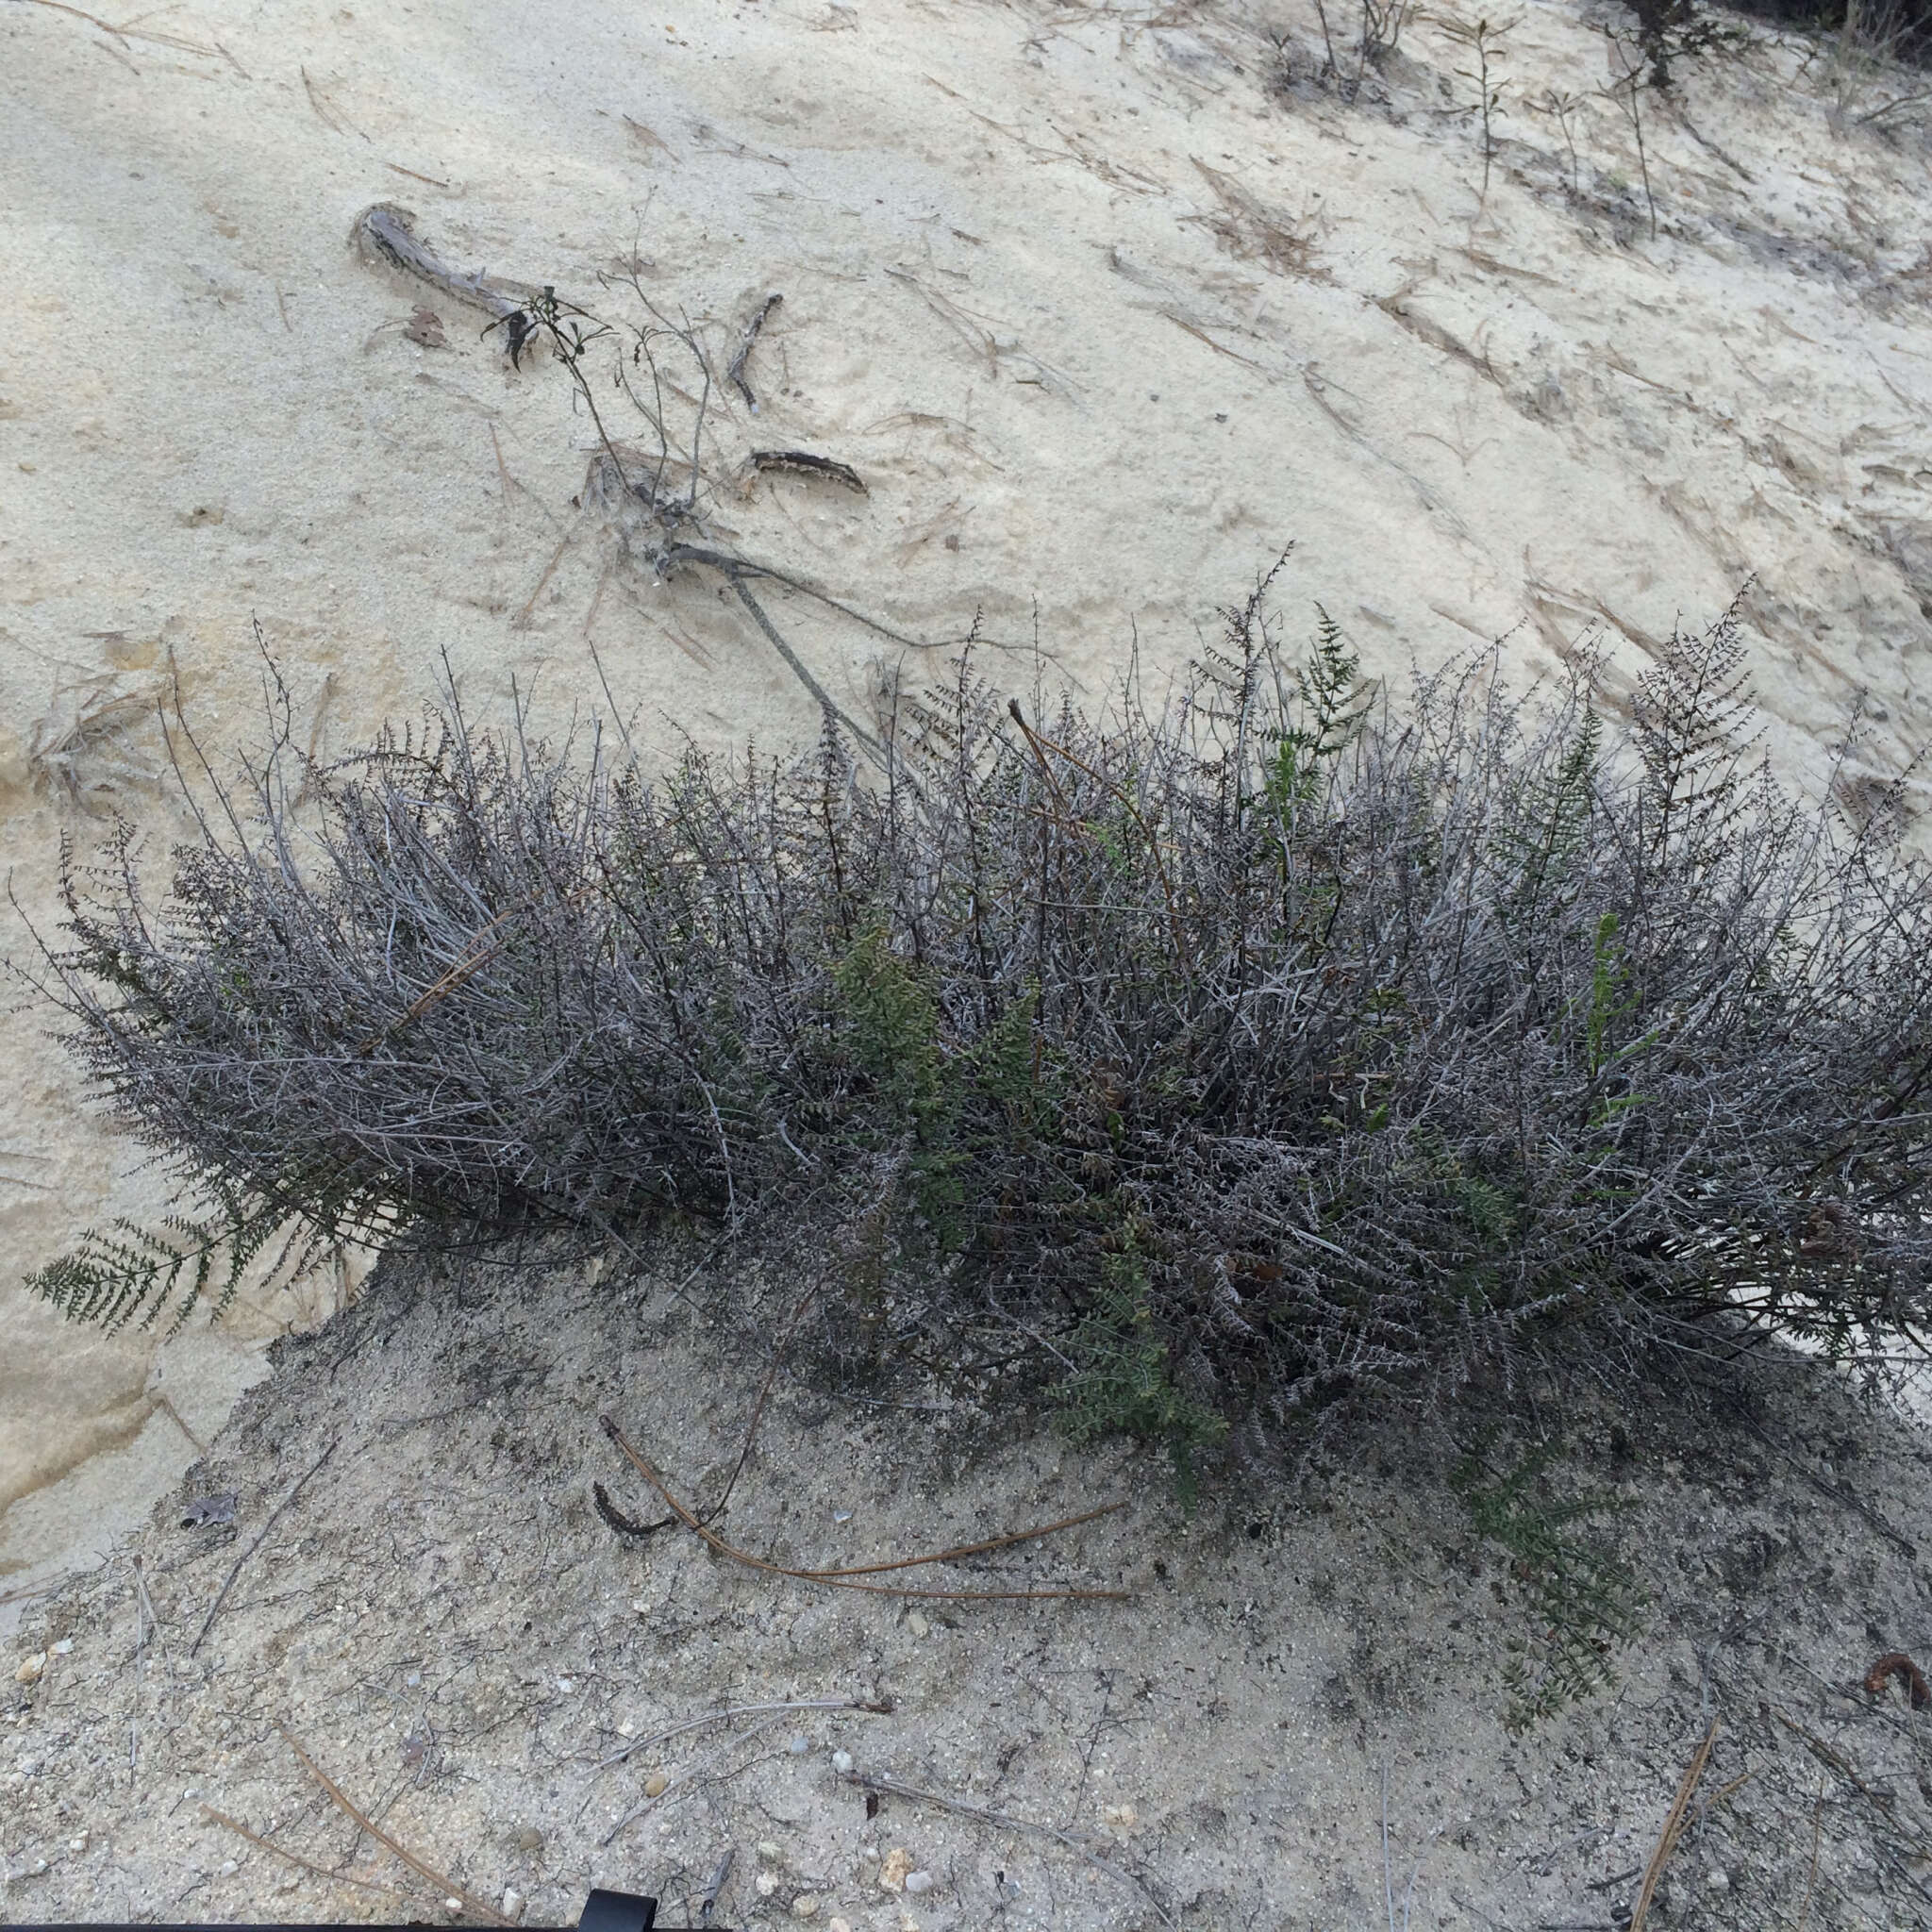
[124,1271]
[1123,1382]
[1583,1599]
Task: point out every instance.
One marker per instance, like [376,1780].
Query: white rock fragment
[228,1867]
[452,1904]
[915,1622]
[513,1902]
[64,1648]
[917,1882]
[799,1745]
[842,1763]
[839,1926]
[565,1686]
[805,1907]
[767,1850]
[765,1884]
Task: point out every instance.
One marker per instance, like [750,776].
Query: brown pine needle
[1673,1826]
[473,1906]
[268,1844]
[848,1579]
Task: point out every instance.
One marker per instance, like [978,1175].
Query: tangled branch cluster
[1230,1056]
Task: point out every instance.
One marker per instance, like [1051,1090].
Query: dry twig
[848,1578]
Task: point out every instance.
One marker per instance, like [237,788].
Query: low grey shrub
[1225,1060]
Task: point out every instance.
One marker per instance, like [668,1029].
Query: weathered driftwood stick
[388,232]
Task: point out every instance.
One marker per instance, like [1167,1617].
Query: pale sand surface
[1103,316]
[438,1616]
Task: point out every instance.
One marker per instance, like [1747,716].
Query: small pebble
[842,1762]
[841,1516]
[656,1784]
[30,1668]
[626,1730]
[765,1884]
[919,1881]
[413,1679]
[513,1902]
[805,1907]
[767,1850]
[800,1744]
[565,1686]
[893,1872]
[77,1844]
[916,1623]
[839,1926]
[228,1867]
[452,1904]
[64,1648]
[1717,1879]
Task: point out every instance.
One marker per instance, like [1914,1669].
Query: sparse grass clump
[1224,1060]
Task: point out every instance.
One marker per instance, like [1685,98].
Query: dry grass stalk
[268,1844]
[1005,1820]
[475,1906]
[1674,1827]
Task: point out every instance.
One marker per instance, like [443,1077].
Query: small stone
[565,1686]
[30,1668]
[765,1884]
[626,1730]
[799,1745]
[805,1907]
[1717,1879]
[290,1883]
[839,1926]
[657,1785]
[767,1850]
[915,1622]
[513,1902]
[77,1844]
[452,1904]
[893,1872]
[228,1867]
[842,1763]
[917,1882]
[414,1679]
[64,1648]
[526,1838]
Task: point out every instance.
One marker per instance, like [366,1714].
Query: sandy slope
[1105,306]
[439,1616]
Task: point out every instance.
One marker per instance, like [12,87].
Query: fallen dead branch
[806,464]
[734,375]
[850,1578]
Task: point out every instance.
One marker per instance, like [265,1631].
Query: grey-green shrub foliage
[1230,1057]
